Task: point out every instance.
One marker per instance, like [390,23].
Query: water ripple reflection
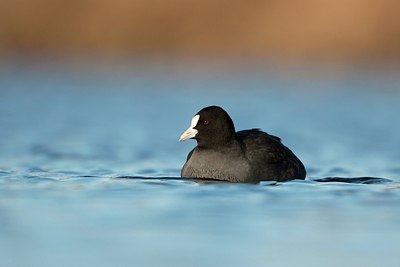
[90,166]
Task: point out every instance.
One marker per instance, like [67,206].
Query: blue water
[68,132]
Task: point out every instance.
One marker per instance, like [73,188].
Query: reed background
[341,30]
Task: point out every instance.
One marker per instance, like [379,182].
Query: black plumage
[246,156]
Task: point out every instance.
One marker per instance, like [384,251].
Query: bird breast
[216,165]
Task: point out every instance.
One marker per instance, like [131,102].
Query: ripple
[356,180]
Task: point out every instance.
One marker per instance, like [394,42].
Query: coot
[246,156]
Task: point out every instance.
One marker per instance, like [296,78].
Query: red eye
[205,122]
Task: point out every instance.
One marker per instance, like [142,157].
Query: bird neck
[217,143]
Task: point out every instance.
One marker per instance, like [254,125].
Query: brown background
[313,29]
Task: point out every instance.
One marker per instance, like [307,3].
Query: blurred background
[322,30]
[95,90]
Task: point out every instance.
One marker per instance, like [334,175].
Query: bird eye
[205,122]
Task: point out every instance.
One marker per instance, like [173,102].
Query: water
[67,134]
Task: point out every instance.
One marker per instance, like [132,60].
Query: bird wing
[262,147]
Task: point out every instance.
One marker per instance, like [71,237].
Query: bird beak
[190,132]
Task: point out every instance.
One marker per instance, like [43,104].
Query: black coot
[246,156]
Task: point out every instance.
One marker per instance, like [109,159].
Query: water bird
[247,156]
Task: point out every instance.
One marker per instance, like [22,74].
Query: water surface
[66,135]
